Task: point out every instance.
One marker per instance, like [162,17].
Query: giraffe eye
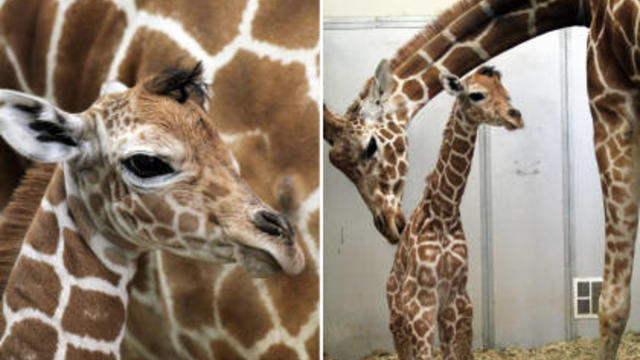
[146,166]
[476,96]
[372,147]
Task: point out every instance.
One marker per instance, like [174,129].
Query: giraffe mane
[432,29]
[179,83]
[19,214]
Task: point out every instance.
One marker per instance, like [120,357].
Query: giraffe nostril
[515,113]
[274,224]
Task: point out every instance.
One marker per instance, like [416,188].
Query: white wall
[538,203]
[334,8]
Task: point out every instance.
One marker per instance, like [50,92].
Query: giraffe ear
[37,129]
[112,87]
[452,84]
[383,80]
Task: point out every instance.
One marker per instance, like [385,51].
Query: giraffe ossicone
[141,169]
[427,285]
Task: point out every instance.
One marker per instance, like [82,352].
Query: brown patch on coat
[191,288]
[94,314]
[413,89]
[188,223]
[222,350]
[273,99]
[158,206]
[287,23]
[43,233]
[495,39]
[56,190]
[213,24]
[26,26]
[279,352]
[149,328]
[141,278]
[194,349]
[163,234]
[81,261]
[91,33]
[74,353]
[33,284]
[141,214]
[242,312]
[30,339]
[214,190]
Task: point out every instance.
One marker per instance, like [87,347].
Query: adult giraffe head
[368,144]
[146,168]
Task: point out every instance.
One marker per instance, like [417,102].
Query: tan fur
[19,214]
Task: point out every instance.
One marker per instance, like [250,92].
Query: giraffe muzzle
[272,249]
[274,224]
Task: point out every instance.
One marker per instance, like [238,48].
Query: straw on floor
[580,349]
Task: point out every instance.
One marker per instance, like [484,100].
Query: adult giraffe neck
[471,33]
[67,293]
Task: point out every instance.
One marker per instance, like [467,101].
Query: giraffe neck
[470,34]
[447,182]
[67,293]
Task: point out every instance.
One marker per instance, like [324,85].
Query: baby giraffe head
[483,99]
[369,145]
[145,167]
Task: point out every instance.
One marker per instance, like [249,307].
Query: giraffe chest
[444,255]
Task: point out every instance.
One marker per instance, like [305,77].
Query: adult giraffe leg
[616,136]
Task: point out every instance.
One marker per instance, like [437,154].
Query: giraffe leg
[423,334]
[397,323]
[616,144]
[454,324]
[401,340]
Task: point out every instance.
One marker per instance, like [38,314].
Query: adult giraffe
[261,58]
[465,36]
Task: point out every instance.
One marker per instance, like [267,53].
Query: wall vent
[586,294]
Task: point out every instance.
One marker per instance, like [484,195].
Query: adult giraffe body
[255,54]
[470,33]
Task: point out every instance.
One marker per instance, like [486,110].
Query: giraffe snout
[274,224]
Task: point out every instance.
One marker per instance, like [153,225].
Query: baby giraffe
[429,275]
[141,169]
